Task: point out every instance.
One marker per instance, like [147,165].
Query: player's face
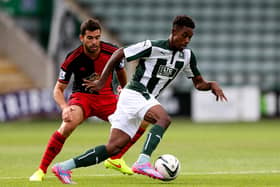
[91,40]
[181,36]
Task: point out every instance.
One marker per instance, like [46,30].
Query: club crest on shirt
[94,76]
[165,72]
[181,55]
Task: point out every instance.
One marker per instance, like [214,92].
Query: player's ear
[174,30]
[81,38]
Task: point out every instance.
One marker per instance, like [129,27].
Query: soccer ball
[167,165]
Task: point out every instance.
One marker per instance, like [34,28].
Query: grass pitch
[222,154]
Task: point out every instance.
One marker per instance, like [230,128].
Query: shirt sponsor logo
[62,74]
[165,72]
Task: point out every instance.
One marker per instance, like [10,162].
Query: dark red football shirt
[82,66]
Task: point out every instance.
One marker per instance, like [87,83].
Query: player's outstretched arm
[203,85]
[112,62]
[121,74]
[58,95]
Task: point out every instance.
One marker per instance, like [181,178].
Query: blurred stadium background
[236,42]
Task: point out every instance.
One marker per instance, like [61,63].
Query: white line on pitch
[184,173]
[232,172]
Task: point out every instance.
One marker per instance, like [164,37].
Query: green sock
[92,157]
[153,139]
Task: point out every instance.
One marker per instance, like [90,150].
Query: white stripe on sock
[149,137]
[87,155]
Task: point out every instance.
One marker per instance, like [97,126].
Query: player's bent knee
[113,149]
[66,129]
[164,121]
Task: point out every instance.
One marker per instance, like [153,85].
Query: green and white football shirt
[158,65]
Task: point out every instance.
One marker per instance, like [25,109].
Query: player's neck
[171,43]
[93,55]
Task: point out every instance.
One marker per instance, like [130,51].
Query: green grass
[229,154]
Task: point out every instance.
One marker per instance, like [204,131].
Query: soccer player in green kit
[160,62]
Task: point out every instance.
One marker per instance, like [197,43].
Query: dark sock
[92,157]
[153,139]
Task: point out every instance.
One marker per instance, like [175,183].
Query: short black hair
[89,24]
[183,20]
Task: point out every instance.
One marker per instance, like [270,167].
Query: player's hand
[119,89]
[218,92]
[92,85]
[67,114]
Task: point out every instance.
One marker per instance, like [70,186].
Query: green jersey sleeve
[138,50]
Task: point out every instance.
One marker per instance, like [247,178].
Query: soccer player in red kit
[86,63]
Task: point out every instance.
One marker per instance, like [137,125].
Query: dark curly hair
[183,20]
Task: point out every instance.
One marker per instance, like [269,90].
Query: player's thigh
[157,115]
[83,102]
[67,128]
[77,114]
